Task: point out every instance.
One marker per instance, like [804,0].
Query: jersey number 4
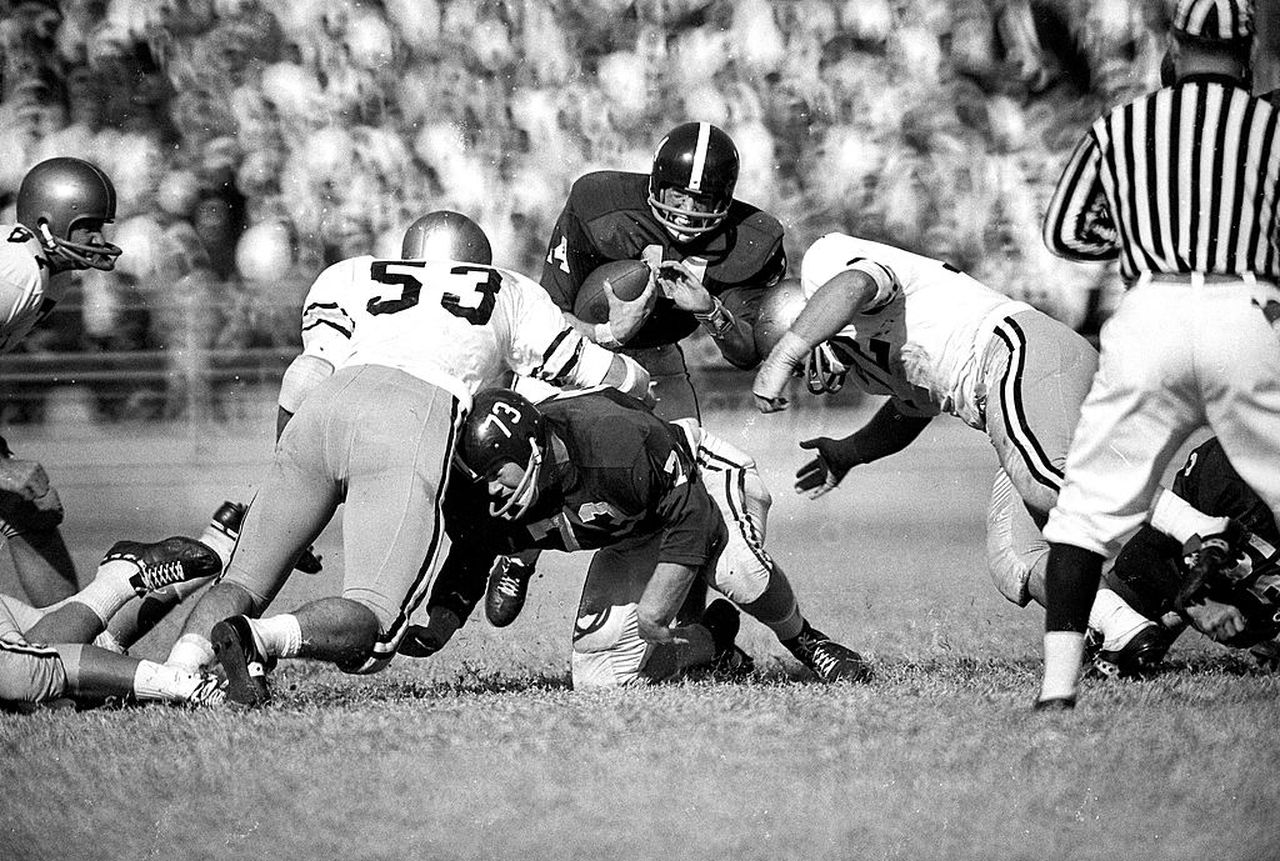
[478,280]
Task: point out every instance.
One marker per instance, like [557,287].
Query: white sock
[152,681]
[110,589]
[278,636]
[192,652]
[1063,651]
[1177,518]
[107,640]
[220,541]
[1115,619]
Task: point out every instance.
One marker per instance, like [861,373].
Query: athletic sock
[152,681]
[110,589]
[1063,651]
[192,652]
[1115,619]
[278,636]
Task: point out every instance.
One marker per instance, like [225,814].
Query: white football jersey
[459,326]
[26,291]
[922,339]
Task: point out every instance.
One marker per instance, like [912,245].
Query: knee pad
[607,649]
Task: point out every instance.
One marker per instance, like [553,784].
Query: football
[628,278]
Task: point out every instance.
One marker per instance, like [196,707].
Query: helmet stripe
[700,156]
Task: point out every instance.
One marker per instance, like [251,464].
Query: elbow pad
[303,374]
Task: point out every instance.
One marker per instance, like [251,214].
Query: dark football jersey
[621,473]
[1148,562]
[607,218]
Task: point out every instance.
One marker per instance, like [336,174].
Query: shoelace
[510,587]
[157,575]
[825,662]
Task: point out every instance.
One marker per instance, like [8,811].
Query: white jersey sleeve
[26,294]
[332,310]
[922,340]
[545,347]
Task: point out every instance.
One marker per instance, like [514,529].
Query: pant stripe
[734,492]
[25,648]
[389,640]
[1015,414]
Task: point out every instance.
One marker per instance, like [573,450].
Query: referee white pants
[1177,355]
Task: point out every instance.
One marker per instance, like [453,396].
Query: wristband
[718,321]
[602,334]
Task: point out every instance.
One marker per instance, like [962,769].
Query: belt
[1199,279]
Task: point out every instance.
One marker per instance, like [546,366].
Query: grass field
[485,752]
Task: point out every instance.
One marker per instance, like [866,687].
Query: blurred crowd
[253,142]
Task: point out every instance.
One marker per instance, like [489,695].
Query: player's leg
[1038,373]
[396,435]
[43,565]
[1140,409]
[293,505]
[1241,353]
[40,559]
[129,570]
[749,576]
[138,618]
[607,648]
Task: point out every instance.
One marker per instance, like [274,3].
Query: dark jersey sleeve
[1210,483]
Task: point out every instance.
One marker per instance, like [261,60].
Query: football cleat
[166,562]
[1054,704]
[508,586]
[243,663]
[721,618]
[211,691]
[1142,655]
[229,516]
[827,659]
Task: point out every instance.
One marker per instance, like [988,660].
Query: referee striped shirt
[1181,180]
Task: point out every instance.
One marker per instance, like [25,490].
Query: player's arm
[544,347]
[327,328]
[829,310]
[571,256]
[304,373]
[723,318]
[1078,223]
[692,532]
[887,432]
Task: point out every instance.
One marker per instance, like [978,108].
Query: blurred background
[252,143]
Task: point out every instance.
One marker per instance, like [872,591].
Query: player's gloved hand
[25,479]
[28,503]
[826,471]
[626,317]
[679,284]
[423,641]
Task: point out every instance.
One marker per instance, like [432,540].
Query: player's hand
[25,479]
[679,284]
[626,317]
[1219,621]
[770,383]
[423,641]
[825,471]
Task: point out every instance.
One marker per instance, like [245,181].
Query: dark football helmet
[699,161]
[446,235]
[502,427]
[62,194]
[824,372]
